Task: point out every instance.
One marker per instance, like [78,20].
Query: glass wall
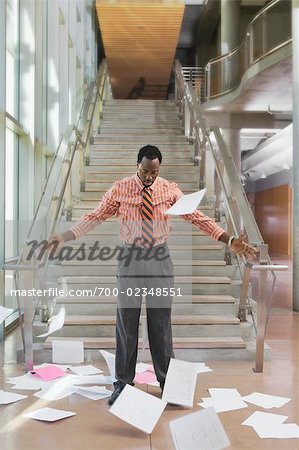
[48,57]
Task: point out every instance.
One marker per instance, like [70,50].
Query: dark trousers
[142,271]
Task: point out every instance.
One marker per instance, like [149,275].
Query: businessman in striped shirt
[139,203]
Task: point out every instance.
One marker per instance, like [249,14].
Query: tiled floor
[95,428]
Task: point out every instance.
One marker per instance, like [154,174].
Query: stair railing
[56,200]
[209,142]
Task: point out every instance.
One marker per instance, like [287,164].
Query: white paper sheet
[93,392]
[4,312]
[222,405]
[67,351]
[54,393]
[56,323]
[49,414]
[266,401]
[201,367]
[260,417]
[223,399]
[91,379]
[201,431]
[143,367]
[138,408]
[86,370]
[186,204]
[180,383]
[281,431]
[10,397]
[27,382]
[110,361]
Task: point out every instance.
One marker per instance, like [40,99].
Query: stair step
[185,299]
[179,263]
[93,279]
[175,320]
[179,342]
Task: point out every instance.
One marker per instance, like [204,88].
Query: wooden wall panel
[273,212]
[140,40]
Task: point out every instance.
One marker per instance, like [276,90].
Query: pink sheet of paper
[145,377]
[49,372]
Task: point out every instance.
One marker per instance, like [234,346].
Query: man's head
[148,164]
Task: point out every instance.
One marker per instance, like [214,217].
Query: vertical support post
[2,163]
[242,314]
[28,319]
[262,309]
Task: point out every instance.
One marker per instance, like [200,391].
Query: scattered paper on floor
[49,414]
[201,430]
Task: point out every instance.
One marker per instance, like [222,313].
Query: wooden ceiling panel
[140,40]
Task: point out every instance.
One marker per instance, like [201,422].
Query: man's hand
[240,247]
[56,240]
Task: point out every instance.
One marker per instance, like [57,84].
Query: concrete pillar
[2,164]
[295,26]
[230,36]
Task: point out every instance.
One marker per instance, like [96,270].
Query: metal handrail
[224,73]
[192,114]
[76,137]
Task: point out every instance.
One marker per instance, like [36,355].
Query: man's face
[148,170]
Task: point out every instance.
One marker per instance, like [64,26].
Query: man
[139,202]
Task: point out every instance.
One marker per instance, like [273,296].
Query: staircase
[205,322]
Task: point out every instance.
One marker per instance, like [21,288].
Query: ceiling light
[263,174]
[286,166]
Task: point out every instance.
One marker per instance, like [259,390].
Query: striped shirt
[124,201]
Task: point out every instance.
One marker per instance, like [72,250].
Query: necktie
[147,219]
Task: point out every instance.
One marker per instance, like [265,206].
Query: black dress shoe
[115,394]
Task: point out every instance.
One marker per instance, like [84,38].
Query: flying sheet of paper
[93,392]
[201,431]
[86,370]
[110,361]
[10,397]
[49,414]
[4,312]
[266,401]
[186,204]
[67,351]
[260,417]
[138,408]
[56,323]
[145,377]
[49,372]
[180,383]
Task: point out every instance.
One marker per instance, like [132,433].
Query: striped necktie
[147,219]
